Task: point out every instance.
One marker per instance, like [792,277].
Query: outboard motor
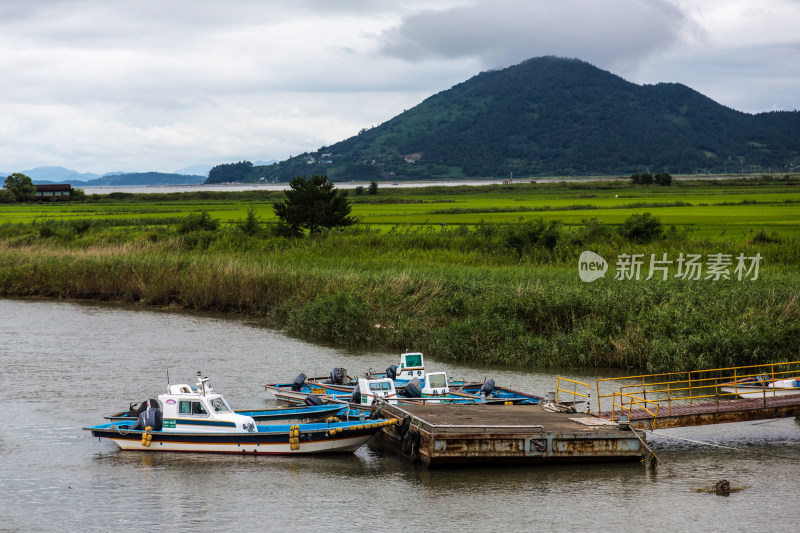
[391,372]
[151,416]
[337,376]
[298,382]
[143,407]
[414,388]
[313,399]
[356,397]
[487,387]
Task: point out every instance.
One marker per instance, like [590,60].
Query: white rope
[725,447]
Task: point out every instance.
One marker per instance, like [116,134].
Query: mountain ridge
[556,116]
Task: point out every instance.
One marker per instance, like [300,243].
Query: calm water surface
[64,365]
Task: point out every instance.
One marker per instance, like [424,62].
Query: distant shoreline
[106,189]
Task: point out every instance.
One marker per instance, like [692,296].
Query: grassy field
[708,209]
[484,287]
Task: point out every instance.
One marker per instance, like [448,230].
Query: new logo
[591,266]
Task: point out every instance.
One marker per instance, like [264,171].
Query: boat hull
[760,388]
[744,391]
[320,438]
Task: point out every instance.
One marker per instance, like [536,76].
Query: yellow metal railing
[632,400]
[574,392]
[697,385]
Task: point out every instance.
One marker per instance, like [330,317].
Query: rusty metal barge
[446,434]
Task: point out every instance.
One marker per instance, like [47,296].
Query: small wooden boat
[412,366]
[339,385]
[761,386]
[435,389]
[187,419]
[493,392]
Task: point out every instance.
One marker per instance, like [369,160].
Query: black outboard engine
[414,388]
[391,372]
[356,397]
[313,399]
[337,376]
[143,407]
[150,417]
[298,382]
[487,387]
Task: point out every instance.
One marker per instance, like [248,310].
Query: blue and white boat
[435,389]
[494,393]
[762,387]
[276,415]
[188,419]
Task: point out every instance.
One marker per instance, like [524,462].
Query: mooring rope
[726,447]
[652,453]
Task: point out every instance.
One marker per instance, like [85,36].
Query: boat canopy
[411,366]
[199,409]
[436,384]
[370,389]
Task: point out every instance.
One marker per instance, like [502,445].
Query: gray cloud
[504,32]
[162,84]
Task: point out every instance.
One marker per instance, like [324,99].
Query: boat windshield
[380,385]
[437,381]
[219,405]
[414,359]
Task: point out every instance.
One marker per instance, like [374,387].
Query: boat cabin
[411,366]
[200,409]
[382,388]
[436,384]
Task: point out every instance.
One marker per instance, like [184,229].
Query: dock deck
[442,434]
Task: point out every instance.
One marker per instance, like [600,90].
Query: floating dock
[447,434]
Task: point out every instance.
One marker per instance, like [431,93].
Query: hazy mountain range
[191,175]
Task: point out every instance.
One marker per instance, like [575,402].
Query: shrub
[762,238]
[642,228]
[593,230]
[532,233]
[197,222]
[663,179]
[251,225]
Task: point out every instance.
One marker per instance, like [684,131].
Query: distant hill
[241,172]
[194,170]
[137,178]
[57,174]
[555,116]
[54,174]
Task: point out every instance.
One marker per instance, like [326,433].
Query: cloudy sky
[106,85]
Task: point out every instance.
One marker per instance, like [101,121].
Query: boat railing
[680,388]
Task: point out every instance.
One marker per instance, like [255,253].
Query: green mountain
[555,116]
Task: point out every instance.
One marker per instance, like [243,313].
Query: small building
[56,191]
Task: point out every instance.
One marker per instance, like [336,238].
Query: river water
[65,365]
[285,185]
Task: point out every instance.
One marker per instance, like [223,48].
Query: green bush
[520,237]
[197,222]
[642,228]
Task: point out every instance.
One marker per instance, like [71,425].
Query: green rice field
[708,210]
